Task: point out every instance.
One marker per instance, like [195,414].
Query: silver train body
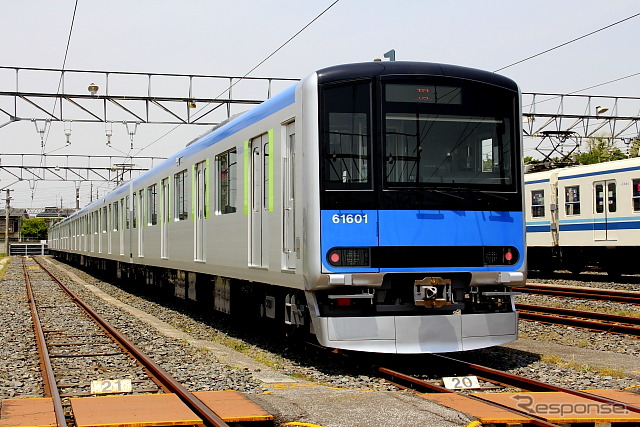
[293,213]
[585,216]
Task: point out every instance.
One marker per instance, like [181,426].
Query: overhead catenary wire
[582,90]
[64,63]
[249,72]
[566,43]
[55,103]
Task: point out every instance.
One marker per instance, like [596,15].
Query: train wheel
[613,271]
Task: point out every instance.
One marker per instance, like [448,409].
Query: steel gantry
[128,97]
[559,123]
[75,167]
[555,124]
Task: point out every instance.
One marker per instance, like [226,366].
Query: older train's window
[572,200]
[605,194]
[226,165]
[537,203]
[636,195]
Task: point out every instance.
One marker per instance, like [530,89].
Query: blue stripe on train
[367,228]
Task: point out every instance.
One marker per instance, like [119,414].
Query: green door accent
[247,165]
[207,184]
[271,157]
[193,193]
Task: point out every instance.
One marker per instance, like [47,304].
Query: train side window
[181,199]
[537,203]
[226,166]
[116,216]
[126,212]
[636,195]
[572,200]
[611,196]
[152,202]
[133,211]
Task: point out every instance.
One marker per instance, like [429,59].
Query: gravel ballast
[202,367]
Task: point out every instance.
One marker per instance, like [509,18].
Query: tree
[634,148]
[601,149]
[35,228]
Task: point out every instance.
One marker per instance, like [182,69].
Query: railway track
[76,345]
[581,319]
[582,293]
[509,407]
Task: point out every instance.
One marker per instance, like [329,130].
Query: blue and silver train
[377,206]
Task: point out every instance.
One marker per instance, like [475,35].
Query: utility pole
[6,222]
[78,198]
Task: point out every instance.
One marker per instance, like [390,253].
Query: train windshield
[447,136]
[347,137]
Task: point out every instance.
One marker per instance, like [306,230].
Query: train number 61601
[350,218]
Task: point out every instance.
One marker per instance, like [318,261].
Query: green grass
[606,371]
[3,265]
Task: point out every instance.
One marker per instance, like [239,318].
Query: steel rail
[43,354]
[167,381]
[413,382]
[528,383]
[591,294]
[592,315]
[582,319]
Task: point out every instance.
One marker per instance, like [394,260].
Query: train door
[288,194]
[200,206]
[260,201]
[164,220]
[605,209]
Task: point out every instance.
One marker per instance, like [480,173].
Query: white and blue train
[584,216]
[377,206]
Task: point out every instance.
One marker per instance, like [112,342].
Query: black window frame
[327,157]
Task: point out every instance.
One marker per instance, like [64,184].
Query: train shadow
[250,338]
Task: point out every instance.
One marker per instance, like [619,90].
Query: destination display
[423,94]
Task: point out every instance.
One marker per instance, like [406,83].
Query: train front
[420,234]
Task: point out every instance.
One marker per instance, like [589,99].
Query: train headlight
[349,257]
[501,255]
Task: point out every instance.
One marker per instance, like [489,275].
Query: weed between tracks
[4,262]
[580,367]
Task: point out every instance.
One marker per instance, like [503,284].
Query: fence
[25,249]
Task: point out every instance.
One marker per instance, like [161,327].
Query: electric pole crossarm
[157,103]
[97,118]
[50,116]
[139,119]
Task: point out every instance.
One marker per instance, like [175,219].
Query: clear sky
[225,37]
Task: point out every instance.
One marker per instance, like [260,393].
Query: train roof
[579,171]
[282,100]
[287,97]
[391,68]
